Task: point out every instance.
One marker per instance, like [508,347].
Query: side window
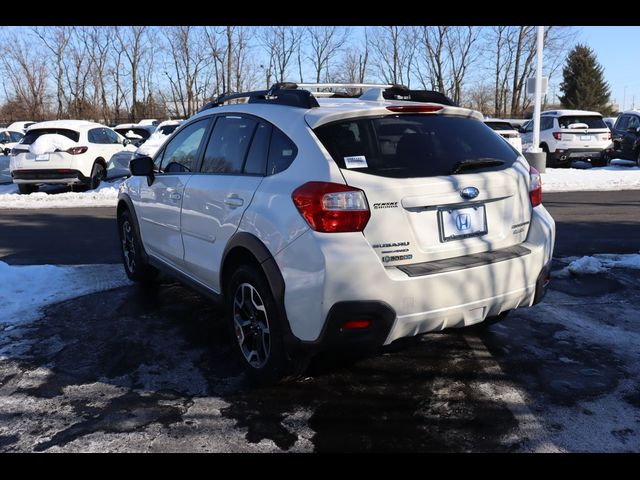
[228,145]
[281,152]
[633,122]
[157,160]
[94,135]
[111,136]
[622,122]
[4,137]
[180,155]
[256,163]
[546,123]
[15,136]
[528,127]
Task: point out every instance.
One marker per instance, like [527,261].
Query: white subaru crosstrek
[71,152]
[338,223]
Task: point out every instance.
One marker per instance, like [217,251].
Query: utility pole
[538,93]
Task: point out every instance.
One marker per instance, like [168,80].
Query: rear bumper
[64,176]
[565,156]
[348,272]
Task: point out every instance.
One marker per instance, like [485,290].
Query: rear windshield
[408,146]
[143,132]
[592,121]
[499,125]
[32,135]
[167,129]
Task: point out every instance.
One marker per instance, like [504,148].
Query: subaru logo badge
[469,192]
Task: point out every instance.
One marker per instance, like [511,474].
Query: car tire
[638,158]
[135,266]
[97,175]
[548,160]
[256,328]
[27,188]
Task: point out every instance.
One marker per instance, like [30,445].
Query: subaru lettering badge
[463,221]
[469,192]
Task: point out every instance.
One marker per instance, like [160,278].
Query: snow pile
[613,177]
[106,195]
[132,134]
[26,289]
[599,263]
[151,146]
[49,143]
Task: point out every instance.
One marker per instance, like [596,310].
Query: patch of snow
[613,177]
[106,195]
[49,143]
[599,263]
[131,134]
[26,289]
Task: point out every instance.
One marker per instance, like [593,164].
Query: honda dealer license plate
[42,158]
[462,222]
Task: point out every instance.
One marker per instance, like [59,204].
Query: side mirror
[126,142]
[142,167]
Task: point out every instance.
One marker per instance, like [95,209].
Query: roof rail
[401,92]
[285,93]
[343,85]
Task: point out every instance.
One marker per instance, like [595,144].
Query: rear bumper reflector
[468,261]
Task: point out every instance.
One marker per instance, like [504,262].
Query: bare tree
[325,42]
[392,53]
[132,42]
[280,43]
[55,39]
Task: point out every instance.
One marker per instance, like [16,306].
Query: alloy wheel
[251,325]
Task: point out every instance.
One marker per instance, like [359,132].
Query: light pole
[538,94]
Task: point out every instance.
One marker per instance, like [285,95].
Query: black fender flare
[123,198]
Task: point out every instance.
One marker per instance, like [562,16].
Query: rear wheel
[136,268]
[97,175]
[256,328]
[27,188]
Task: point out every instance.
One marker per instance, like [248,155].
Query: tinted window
[546,123]
[633,122]
[282,151]
[256,163]
[622,122]
[111,136]
[228,145]
[96,135]
[592,121]
[167,129]
[32,135]
[4,137]
[407,146]
[528,127]
[180,154]
[15,136]
[499,125]
[137,136]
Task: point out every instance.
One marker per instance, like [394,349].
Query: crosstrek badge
[357,161]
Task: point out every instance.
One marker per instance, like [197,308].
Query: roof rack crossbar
[279,94]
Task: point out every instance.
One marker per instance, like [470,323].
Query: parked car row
[76,152]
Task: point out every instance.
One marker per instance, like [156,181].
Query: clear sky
[617,51]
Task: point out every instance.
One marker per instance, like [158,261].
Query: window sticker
[357,161]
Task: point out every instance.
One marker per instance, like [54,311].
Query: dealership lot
[132,370]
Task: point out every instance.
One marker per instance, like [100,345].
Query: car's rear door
[438,186]
[215,198]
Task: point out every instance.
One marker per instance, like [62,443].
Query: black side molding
[468,261]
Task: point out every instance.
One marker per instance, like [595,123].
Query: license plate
[585,138]
[465,222]
[42,158]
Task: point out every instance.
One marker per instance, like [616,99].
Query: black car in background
[625,136]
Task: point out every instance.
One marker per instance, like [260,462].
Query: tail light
[76,150]
[332,207]
[414,108]
[535,187]
[557,135]
[608,136]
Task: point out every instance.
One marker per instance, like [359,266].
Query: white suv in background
[338,222]
[568,135]
[71,152]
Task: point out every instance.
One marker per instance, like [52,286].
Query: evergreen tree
[583,85]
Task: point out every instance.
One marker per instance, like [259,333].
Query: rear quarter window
[410,146]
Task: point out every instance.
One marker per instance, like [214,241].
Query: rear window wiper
[474,163]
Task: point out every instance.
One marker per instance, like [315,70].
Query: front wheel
[131,249]
[256,326]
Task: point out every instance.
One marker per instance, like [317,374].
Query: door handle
[234,201]
[175,196]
